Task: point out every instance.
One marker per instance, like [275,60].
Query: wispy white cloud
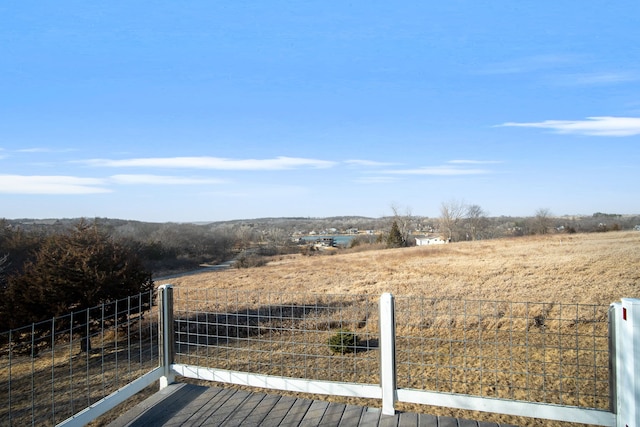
[445,170]
[376,180]
[40,184]
[601,78]
[455,167]
[162,180]
[368,163]
[43,150]
[563,70]
[475,162]
[594,126]
[60,184]
[218,163]
[531,64]
[263,192]
[33,150]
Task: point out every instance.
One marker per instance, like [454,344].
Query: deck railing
[533,359]
[70,369]
[567,362]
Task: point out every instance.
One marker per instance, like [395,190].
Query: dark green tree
[394,239]
[71,271]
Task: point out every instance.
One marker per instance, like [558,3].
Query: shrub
[343,342]
[250,260]
[395,239]
[308,250]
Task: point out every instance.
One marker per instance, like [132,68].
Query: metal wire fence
[538,352]
[277,334]
[56,368]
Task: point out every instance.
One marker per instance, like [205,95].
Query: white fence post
[388,353]
[167,340]
[627,354]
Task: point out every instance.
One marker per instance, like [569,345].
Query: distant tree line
[459,221]
[51,267]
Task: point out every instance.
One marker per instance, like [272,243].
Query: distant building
[326,241]
[424,241]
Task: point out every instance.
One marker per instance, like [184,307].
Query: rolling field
[557,270]
[597,268]
[499,278]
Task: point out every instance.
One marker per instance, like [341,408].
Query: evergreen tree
[394,239]
[72,271]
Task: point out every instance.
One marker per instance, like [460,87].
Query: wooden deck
[192,405]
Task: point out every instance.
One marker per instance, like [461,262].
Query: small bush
[250,260]
[343,342]
[308,250]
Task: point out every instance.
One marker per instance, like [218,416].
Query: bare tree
[276,240]
[542,221]
[245,235]
[451,216]
[476,221]
[403,222]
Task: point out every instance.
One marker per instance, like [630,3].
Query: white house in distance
[424,241]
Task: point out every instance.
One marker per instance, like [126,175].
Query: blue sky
[214,110]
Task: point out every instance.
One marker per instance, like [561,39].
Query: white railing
[249,339]
[559,362]
[71,369]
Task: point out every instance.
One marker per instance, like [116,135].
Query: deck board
[370,417]
[332,415]
[184,415]
[198,414]
[241,414]
[351,416]
[191,405]
[408,420]
[261,411]
[296,413]
[278,412]
[427,420]
[314,414]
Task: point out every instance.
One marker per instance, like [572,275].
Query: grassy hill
[593,268]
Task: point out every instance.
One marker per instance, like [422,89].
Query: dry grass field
[597,268]
[556,269]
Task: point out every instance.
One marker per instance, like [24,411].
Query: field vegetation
[559,266]
[589,268]
[550,271]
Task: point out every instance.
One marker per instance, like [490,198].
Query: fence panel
[538,352]
[278,334]
[56,368]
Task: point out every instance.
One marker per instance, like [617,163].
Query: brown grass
[597,268]
[580,269]
[577,269]
[62,380]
